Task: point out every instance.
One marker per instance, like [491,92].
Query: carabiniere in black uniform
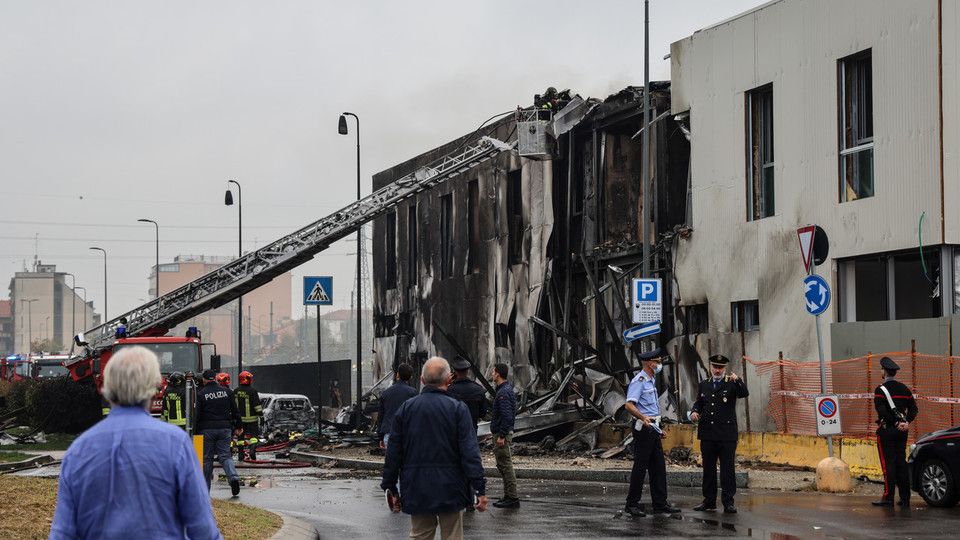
[891,439]
[717,430]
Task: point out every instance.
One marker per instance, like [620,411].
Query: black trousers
[892,444]
[726,452]
[648,456]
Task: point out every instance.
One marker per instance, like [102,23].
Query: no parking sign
[828,415]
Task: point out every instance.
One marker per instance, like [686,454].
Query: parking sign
[647,300]
[828,415]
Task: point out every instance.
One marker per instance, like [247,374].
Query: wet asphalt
[352,507]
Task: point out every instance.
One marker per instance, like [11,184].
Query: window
[390,270]
[446,236]
[745,316]
[473,227]
[412,247]
[891,286]
[169,267]
[760,202]
[697,320]
[856,126]
[515,216]
[870,286]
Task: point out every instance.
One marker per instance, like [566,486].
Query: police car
[935,466]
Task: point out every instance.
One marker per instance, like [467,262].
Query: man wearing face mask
[716,413]
[643,404]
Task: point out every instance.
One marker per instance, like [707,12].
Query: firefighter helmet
[245,377]
[223,379]
[175,379]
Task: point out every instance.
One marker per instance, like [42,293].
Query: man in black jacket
[392,398]
[217,418]
[501,426]
[467,391]
[715,410]
[896,408]
[433,452]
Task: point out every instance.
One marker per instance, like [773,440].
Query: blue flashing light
[121,332]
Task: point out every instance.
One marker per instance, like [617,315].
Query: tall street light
[228,200]
[156,267]
[105,318]
[29,302]
[73,314]
[342,129]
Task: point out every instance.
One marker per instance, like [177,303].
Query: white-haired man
[132,476]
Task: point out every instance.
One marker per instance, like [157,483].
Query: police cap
[719,360]
[460,363]
[656,353]
[888,364]
[209,374]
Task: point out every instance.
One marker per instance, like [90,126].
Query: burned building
[504,262]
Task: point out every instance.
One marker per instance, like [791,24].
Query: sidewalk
[295,529]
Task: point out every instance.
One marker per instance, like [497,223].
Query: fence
[933,379]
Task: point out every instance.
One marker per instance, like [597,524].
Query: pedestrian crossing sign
[318,290]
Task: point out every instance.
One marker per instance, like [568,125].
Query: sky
[111,111]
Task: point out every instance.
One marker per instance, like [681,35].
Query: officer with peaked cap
[715,410]
[467,391]
[896,408]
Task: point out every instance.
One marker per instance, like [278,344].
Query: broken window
[390,272]
[760,203]
[515,217]
[870,286]
[745,316]
[446,236]
[473,227]
[412,247]
[891,286]
[856,126]
[697,319]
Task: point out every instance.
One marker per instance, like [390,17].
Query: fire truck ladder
[257,268]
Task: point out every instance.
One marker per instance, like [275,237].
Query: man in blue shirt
[643,404]
[131,475]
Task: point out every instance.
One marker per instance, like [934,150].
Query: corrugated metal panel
[951,118]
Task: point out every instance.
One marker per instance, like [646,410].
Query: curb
[621,476]
[294,528]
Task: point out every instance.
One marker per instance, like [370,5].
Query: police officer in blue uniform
[643,404]
[715,410]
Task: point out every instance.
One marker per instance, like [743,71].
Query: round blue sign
[828,408]
[816,294]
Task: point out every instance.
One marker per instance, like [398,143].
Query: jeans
[217,440]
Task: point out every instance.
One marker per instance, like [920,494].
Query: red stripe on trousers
[883,467]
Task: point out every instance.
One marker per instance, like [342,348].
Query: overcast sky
[112,111]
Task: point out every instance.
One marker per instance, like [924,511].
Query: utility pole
[645,141]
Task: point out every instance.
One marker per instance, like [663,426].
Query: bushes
[55,405]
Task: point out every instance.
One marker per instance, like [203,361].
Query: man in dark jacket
[433,451]
[392,398]
[501,426]
[894,425]
[716,411]
[217,418]
[467,391]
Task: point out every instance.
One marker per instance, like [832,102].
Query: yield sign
[805,235]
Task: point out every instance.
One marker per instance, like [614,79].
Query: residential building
[47,310]
[6,328]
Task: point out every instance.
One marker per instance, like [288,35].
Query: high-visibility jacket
[248,403]
[174,406]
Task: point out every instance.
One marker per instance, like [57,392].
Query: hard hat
[223,379]
[175,379]
[245,377]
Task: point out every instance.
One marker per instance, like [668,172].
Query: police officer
[896,408]
[643,404]
[217,418]
[174,401]
[716,411]
[467,391]
[251,410]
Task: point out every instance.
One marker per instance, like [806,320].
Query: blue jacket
[433,451]
[390,401]
[504,410]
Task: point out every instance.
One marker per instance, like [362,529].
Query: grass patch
[33,500]
[7,457]
[55,441]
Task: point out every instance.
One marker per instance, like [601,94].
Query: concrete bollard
[833,476]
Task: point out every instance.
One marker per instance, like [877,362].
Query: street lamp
[29,302]
[156,268]
[105,318]
[342,129]
[228,200]
[73,314]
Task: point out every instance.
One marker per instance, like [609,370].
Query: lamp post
[29,302]
[84,289]
[105,318]
[156,267]
[228,200]
[342,129]
[73,313]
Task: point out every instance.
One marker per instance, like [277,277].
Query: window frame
[850,122]
[760,126]
[446,235]
[739,321]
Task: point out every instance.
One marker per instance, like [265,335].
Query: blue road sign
[828,407]
[816,294]
[318,290]
[642,330]
[647,300]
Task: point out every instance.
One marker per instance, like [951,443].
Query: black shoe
[471,508]
[902,502]
[705,507]
[507,503]
[882,502]
[235,488]
[729,509]
[666,509]
[634,510]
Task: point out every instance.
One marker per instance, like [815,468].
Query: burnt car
[934,463]
[288,412]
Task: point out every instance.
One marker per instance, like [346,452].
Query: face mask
[658,369]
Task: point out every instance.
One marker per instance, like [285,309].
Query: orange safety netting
[934,380]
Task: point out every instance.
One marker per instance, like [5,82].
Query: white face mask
[658,369]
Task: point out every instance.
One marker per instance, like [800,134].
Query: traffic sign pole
[823,365]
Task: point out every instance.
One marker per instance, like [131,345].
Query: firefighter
[223,379]
[248,403]
[174,401]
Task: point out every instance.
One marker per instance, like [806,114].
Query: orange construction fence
[934,380]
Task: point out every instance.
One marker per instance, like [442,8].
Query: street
[345,507]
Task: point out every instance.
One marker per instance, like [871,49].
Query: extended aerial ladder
[257,268]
